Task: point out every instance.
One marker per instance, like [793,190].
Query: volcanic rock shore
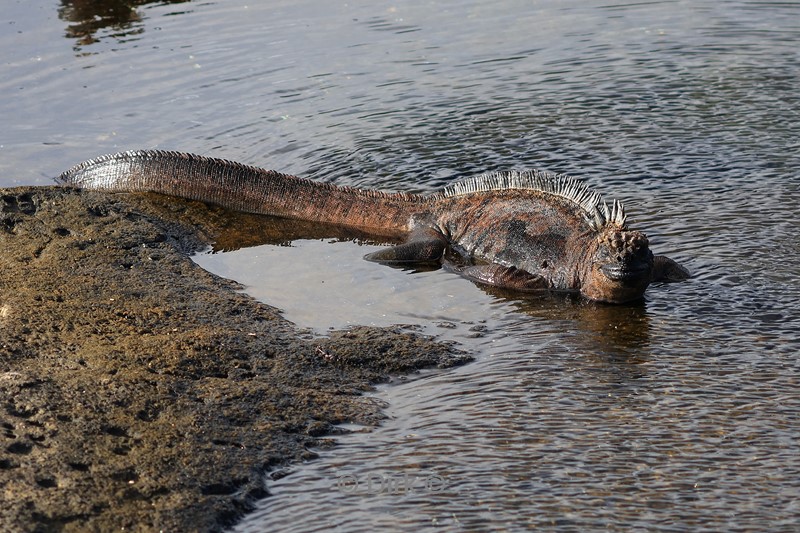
[139,391]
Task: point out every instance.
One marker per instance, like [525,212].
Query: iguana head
[620,266]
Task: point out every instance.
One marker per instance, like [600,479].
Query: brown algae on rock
[142,392]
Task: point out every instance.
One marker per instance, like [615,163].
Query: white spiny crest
[618,216]
[596,212]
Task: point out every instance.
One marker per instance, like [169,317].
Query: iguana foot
[425,245]
[667,270]
[502,276]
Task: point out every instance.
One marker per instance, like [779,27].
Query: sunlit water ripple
[678,413]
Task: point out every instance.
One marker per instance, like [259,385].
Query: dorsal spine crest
[596,211]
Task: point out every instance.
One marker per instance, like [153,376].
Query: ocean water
[681,412]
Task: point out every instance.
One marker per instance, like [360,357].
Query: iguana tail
[245,188]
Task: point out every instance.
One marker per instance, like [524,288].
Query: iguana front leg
[504,277]
[424,245]
[665,269]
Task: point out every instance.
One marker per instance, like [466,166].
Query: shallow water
[677,413]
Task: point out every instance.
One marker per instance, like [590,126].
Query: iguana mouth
[625,272]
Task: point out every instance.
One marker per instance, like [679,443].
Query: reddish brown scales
[519,230]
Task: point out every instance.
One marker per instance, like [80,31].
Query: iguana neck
[246,188]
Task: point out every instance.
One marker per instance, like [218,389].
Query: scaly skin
[522,232]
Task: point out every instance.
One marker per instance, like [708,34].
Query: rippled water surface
[679,413]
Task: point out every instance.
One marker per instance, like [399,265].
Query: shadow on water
[121,19]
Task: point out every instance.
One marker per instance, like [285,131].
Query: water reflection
[87,18]
[614,332]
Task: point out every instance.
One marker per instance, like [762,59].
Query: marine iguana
[525,231]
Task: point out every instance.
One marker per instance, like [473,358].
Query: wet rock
[141,392]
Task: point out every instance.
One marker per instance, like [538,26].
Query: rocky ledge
[139,391]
